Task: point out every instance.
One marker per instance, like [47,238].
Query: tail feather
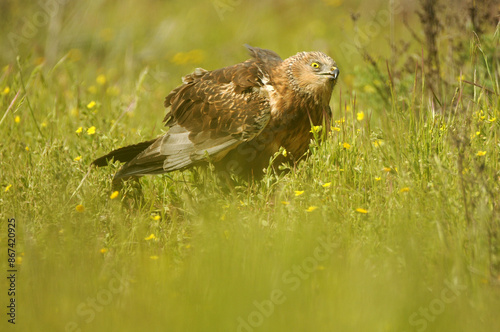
[124,154]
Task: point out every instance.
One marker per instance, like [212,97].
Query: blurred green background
[390,225]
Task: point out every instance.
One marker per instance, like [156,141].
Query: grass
[391,224]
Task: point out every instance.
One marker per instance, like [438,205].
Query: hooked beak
[333,73]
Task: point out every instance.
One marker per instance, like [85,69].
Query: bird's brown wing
[210,114]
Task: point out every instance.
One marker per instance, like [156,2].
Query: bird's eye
[315,65]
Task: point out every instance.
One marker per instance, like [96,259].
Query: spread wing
[210,114]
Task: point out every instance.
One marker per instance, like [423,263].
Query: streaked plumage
[237,117]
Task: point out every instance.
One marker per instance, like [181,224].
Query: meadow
[391,223]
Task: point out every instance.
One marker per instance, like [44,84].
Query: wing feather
[210,114]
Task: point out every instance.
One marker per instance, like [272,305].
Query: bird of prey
[238,117]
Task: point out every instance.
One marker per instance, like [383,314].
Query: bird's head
[312,73]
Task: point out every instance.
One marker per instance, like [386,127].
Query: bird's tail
[124,154]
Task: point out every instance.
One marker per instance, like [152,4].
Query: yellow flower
[101,79]
[326,185]
[6,90]
[361,210]
[79,130]
[378,178]
[386,169]
[315,129]
[91,104]
[311,208]
[156,217]
[492,119]
[460,78]
[150,237]
[8,187]
[478,133]
[114,194]
[78,158]
[346,146]
[282,202]
[17,119]
[103,250]
[43,124]
[404,190]
[80,208]
[284,153]
[481,153]
[299,192]
[91,131]
[339,121]
[154,257]
[360,116]
[336,128]
[27,148]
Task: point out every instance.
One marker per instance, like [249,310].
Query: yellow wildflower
[311,208]
[43,124]
[79,130]
[299,192]
[284,153]
[150,237]
[336,128]
[17,119]
[8,187]
[103,250]
[101,79]
[360,116]
[326,185]
[386,169]
[285,202]
[378,178]
[361,210]
[6,90]
[339,121]
[91,105]
[481,153]
[346,146]
[91,131]
[78,158]
[404,190]
[154,257]
[80,208]
[27,148]
[492,119]
[315,129]
[156,217]
[114,195]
